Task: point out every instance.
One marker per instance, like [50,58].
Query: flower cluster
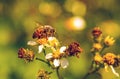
[108,60]
[43,38]
[100,58]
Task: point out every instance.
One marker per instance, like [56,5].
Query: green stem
[44,52]
[91,72]
[45,55]
[43,61]
[103,49]
[58,74]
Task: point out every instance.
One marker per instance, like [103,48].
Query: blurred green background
[73,21]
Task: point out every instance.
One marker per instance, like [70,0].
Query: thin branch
[44,52]
[91,72]
[58,74]
[103,49]
[43,61]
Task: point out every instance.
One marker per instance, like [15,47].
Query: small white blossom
[56,62]
[53,41]
[40,48]
[62,49]
[113,70]
[31,43]
[64,63]
[49,56]
[51,38]
[106,68]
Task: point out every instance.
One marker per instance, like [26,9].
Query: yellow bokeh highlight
[110,28]
[18,11]
[5,36]
[49,9]
[75,23]
[1,7]
[77,8]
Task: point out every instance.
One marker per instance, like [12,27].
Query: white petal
[51,38]
[113,70]
[62,49]
[106,68]
[40,48]
[64,63]
[48,26]
[31,43]
[49,56]
[56,62]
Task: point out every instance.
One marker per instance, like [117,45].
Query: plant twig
[43,61]
[101,51]
[44,52]
[91,72]
[58,74]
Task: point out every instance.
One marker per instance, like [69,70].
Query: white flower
[56,62]
[114,72]
[40,48]
[56,57]
[31,43]
[64,63]
[62,49]
[51,38]
[49,56]
[61,62]
[53,41]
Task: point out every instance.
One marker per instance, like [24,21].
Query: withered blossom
[117,62]
[109,58]
[25,54]
[42,74]
[73,49]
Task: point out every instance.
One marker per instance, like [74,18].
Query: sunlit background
[73,21]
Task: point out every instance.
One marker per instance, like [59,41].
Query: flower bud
[96,32]
[109,41]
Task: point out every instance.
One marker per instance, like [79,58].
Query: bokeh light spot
[110,28]
[75,23]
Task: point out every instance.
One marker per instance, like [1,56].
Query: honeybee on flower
[45,37]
